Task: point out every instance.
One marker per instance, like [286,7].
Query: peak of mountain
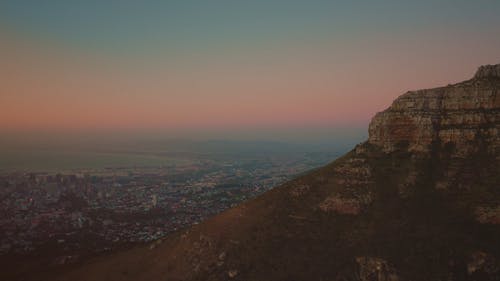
[419,200]
[488,71]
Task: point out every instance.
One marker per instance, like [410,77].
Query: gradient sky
[229,66]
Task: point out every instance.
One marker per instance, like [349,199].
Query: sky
[248,69]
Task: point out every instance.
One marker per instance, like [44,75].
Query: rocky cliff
[465,115]
[420,200]
[458,125]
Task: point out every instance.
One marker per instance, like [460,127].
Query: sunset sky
[229,66]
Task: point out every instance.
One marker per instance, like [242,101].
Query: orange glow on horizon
[44,88]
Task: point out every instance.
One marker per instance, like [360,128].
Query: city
[68,216]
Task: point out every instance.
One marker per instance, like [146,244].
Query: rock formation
[465,115]
[488,71]
[458,124]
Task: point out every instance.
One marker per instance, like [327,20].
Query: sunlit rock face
[457,128]
[463,117]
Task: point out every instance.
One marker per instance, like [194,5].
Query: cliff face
[464,115]
[420,200]
[458,125]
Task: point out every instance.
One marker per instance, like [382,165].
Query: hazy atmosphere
[246,70]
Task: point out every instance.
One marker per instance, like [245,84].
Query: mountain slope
[420,200]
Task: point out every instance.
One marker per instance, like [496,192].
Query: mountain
[419,200]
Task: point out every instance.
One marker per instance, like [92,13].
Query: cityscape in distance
[80,203]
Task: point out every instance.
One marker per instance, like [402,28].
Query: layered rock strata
[464,116]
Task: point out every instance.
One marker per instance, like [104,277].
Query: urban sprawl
[73,214]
